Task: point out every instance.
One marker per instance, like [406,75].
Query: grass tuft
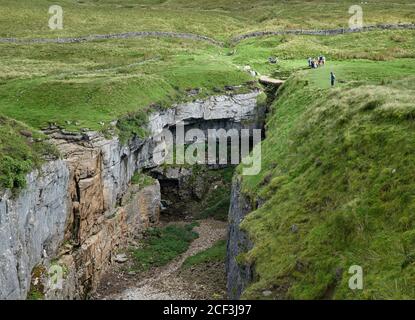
[161,245]
[21,150]
[216,253]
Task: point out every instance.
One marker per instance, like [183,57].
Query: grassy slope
[294,50]
[21,149]
[338,164]
[90,83]
[217,18]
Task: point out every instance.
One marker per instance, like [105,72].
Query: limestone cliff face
[238,274]
[77,212]
[105,210]
[231,111]
[31,226]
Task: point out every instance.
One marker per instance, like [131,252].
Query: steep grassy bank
[338,184]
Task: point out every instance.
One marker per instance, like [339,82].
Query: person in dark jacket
[332,79]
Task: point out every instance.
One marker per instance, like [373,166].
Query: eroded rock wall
[238,274]
[75,213]
[238,109]
[87,263]
[105,210]
[31,226]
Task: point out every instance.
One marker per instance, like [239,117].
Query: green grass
[21,149]
[293,51]
[216,253]
[161,245]
[37,288]
[337,163]
[216,18]
[90,85]
[35,295]
[142,179]
[217,201]
[217,204]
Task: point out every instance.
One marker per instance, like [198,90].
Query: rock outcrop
[105,211]
[186,191]
[234,111]
[183,188]
[86,264]
[268,81]
[32,226]
[238,273]
[75,212]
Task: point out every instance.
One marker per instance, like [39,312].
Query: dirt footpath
[171,282]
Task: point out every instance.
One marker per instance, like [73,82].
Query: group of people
[312,63]
[317,62]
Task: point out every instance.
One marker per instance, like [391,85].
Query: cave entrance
[196,192]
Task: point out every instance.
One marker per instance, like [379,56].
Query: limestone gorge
[207,150]
[79,210]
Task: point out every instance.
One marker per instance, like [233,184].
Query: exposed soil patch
[206,281]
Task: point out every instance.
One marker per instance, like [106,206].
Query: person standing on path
[332,79]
